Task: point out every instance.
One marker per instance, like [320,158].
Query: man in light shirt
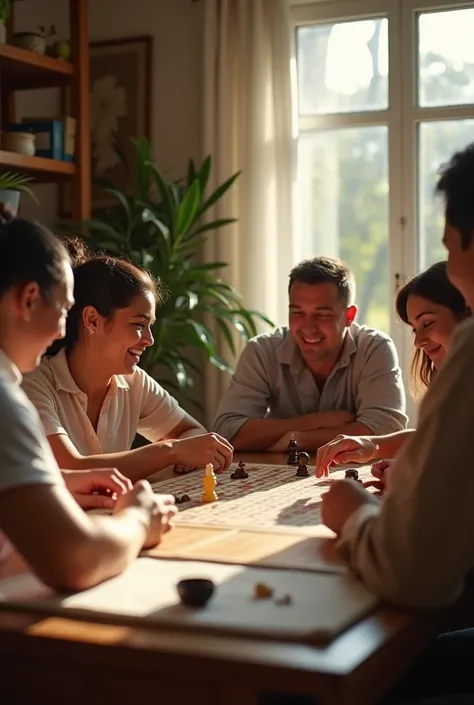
[416,547]
[321,376]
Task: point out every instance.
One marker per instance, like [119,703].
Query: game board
[272,495]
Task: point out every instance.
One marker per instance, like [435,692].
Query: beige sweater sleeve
[418,545]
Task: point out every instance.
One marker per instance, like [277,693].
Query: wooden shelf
[27,70]
[42,169]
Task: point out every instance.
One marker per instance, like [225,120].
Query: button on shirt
[273,380]
[133,403]
[25,455]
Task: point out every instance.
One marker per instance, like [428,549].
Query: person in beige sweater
[416,547]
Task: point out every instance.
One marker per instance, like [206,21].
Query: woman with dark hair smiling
[64,546]
[92,396]
[432,307]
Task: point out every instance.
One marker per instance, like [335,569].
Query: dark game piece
[303,460]
[185,498]
[241,473]
[352,474]
[234,476]
[177,500]
[195,592]
[292,453]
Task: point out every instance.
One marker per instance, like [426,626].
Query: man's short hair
[320,270]
[456,184]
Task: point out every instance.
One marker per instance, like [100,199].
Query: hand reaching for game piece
[344,449]
[160,508]
[342,499]
[96,489]
[199,451]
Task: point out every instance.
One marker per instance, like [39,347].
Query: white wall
[176,28]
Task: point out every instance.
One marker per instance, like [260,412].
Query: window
[384,95]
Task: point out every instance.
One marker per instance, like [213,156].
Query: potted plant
[4,15]
[12,185]
[160,227]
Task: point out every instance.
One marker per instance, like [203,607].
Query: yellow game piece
[262,591]
[209,485]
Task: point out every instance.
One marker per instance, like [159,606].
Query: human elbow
[76,573]
[228,427]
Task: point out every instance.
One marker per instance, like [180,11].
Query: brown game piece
[177,500]
[303,460]
[262,591]
[185,498]
[352,474]
[292,453]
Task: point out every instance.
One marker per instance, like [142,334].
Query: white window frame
[402,117]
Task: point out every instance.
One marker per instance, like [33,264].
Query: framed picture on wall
[120,95]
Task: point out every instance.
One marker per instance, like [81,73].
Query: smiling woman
[90,393]
[432,306]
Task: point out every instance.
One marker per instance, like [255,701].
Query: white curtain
[248,127]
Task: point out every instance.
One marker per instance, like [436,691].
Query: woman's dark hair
[29,253]
[432,284]
[106,283]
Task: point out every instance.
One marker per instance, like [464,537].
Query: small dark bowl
[195,592]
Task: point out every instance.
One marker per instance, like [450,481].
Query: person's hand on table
[344,449]
[96,489]
[341,500]
[161,509]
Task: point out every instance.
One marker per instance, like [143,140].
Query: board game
[272,495]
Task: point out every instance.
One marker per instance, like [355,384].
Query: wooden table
[60,660]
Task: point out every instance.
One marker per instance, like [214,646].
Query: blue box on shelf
[49,137]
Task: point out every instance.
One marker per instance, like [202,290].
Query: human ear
[28,298]
[351,314]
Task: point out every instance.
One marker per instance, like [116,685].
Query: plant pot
[19,142]
[11,200]
[30,41]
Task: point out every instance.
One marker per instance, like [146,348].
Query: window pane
[331,80]
[343,210]
[446,58]
[437,143]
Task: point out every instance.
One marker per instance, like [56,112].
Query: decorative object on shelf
[5,8]
[12,185]
[60,49]
[34,41]
[55,137]
[121,88]
[161,227]
[20,142]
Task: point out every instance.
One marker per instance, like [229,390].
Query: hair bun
[77,250]
[6,214]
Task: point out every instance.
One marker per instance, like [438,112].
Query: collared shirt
[133,403]
[25,455]
[416,546]
[272,379]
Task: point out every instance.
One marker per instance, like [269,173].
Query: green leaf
[188,209]
[226,334]
[221,364]
[168,204]
[213,225]
[205,172]
[218,193]
[191,173]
